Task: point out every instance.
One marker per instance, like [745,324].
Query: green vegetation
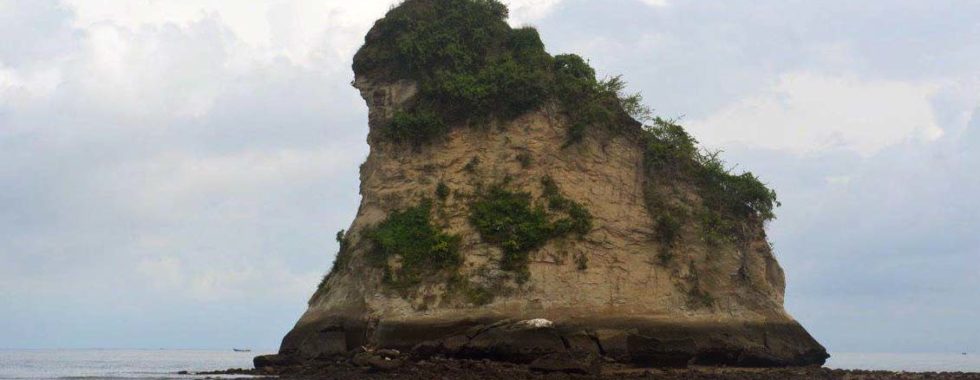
[469,63]
[472,67]
[581,262]
[717,230]
[472,293]
[472,165]
[341,240]
[478,295]
[579,219]
[442,191]
[511,221]
[343,256]
[525,159]
[698,298]
[728,199]
[420,249]
[588,102]
[668,230]
[414,127]
[668,148]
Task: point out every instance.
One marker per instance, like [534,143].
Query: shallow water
[116,364]
[932,362]
[164,364]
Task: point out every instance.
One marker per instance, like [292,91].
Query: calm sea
[164,364]
[116,364]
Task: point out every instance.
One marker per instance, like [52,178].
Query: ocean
[164,364]
[117,364]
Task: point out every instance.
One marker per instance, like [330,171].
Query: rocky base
[637,342]
[378,366]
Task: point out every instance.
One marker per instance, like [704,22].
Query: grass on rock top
[472,67]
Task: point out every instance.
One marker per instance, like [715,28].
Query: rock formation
[516,208]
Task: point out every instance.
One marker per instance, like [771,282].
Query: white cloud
[166,187]
[805,113]
[167,155]
[20,86]
[838,180]
[525,11]
[655,3]
[233,281]
[166,152]
[300,30]
[163,273]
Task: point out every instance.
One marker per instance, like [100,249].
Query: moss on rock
[411,249]
[518,226]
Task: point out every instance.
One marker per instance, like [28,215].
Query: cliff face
[503,238]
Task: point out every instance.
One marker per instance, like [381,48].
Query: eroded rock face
[606,293]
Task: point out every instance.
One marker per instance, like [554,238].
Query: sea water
[117,364]
[165,364]
[934,362]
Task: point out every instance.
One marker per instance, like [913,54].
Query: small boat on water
[241,350]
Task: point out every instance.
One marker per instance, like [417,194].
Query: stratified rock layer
[606,293]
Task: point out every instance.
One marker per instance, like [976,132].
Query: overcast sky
[172,173]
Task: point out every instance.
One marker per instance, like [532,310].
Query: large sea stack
[516,208]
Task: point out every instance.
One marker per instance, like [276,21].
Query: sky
[173,172]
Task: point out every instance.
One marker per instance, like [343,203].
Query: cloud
[151,158]
[301,31]
[162,272]
[173,172]
[18,87]
[229,283]
[304,31]
[655,3]
[526,11]
[806,113]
